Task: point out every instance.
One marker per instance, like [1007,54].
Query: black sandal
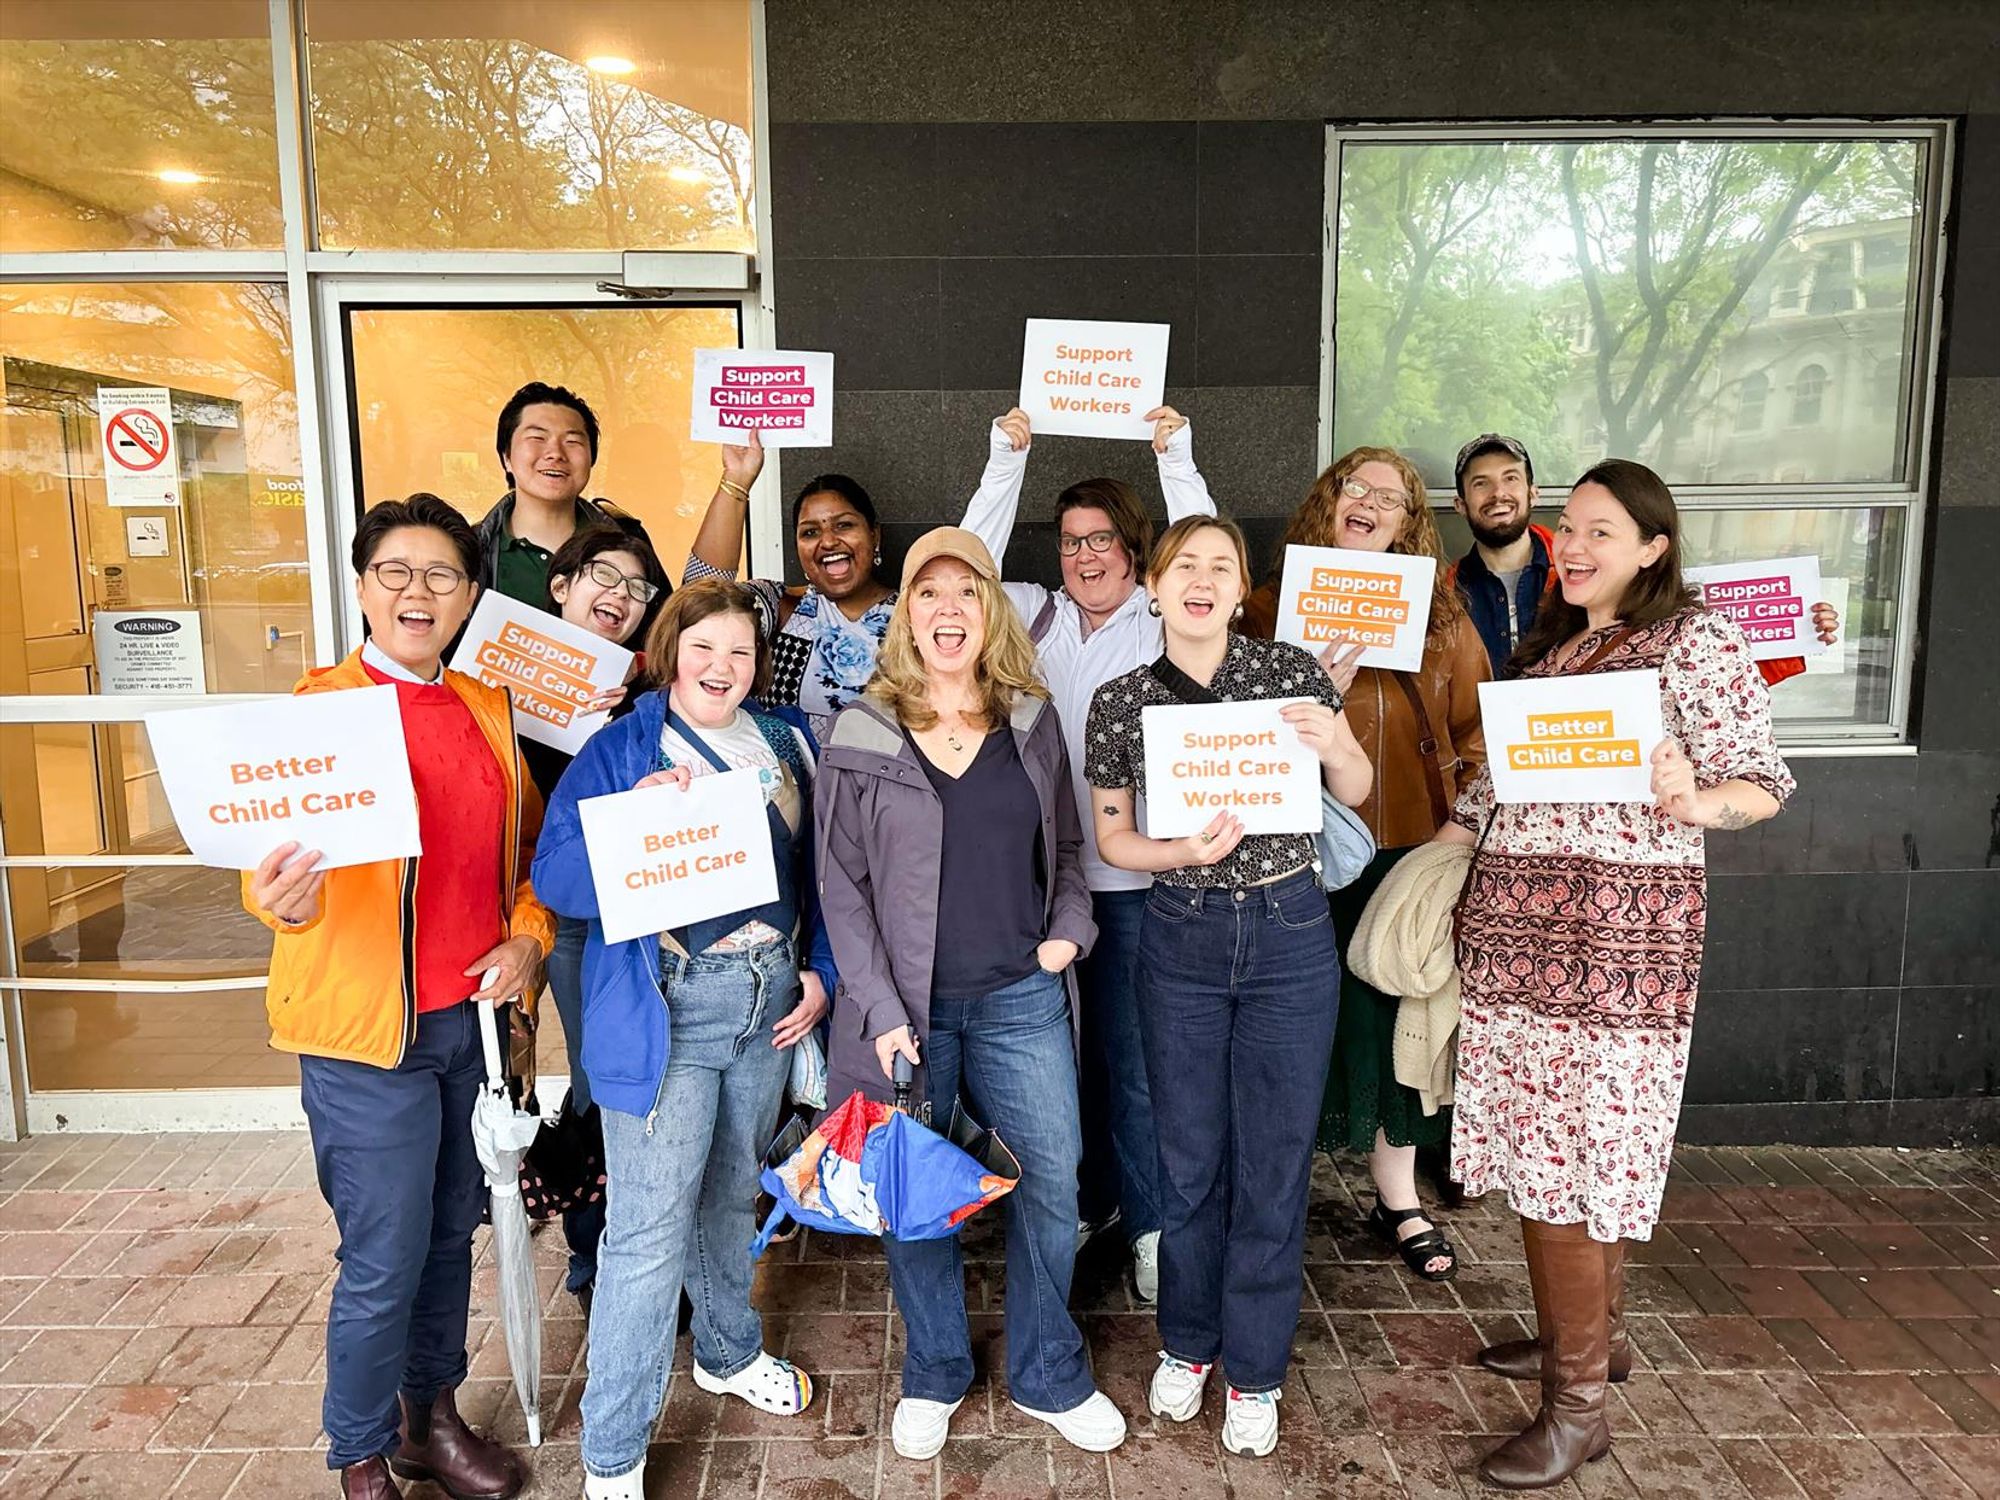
[1419,1249]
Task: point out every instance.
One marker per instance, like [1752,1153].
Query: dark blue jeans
[1121,1152]
[1239,989]
[1010,1053]
[393,1149]
[582,1227]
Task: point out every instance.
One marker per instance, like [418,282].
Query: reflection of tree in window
[1808,395]
[1751,394]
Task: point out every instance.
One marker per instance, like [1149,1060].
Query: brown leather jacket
[1400,809]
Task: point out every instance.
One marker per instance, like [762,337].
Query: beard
[1499,536]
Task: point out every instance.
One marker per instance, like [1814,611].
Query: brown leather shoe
[1521,1359]
[1567,1268]
[438,1446]
[369,1480]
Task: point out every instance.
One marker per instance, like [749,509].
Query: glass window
[1808,395]
[127,1039]
[1556,288]
[515,124]
[1751,394]
[137,126]
[226,563]
[89,789]
[139,922]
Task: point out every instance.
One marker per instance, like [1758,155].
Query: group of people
[953,767]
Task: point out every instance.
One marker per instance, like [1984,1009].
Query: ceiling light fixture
[611,65]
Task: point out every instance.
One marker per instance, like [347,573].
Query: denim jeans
[1010,1054]
[1239,989]
[1121,1150]
[681,1189]
[393,1150]
[582,1227]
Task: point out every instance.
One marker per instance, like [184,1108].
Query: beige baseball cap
[949,541]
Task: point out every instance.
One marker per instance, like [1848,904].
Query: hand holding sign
[664,856]
[1245,760]
[1777,604]
[784,396]
[286,887]
[558,673]
[1573,739]
[1093,379]
[1378,600]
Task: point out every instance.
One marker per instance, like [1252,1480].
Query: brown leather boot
[369,1480]
[1570,1430]
[438,1446]
[1521,1359]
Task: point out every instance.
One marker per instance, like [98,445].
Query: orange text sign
[328,770]
[1241,758]
[1380,599]
[661,857]
[1573,739]
[1093,379]
[549,665]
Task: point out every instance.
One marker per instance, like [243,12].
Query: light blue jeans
[682,1185]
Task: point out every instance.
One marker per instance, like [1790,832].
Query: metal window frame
[1914,492]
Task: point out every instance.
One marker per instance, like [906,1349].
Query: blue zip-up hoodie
[625,1034]
[1486,600]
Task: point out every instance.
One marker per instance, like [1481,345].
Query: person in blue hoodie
[686,1037]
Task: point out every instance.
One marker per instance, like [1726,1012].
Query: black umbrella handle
[904,1073]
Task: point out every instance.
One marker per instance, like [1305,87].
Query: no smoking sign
[136,426]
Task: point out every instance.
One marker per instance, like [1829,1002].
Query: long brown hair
[1313,525]
[703,600]
[1656,592]
[1004,672]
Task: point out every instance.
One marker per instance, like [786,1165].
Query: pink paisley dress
[1580,953]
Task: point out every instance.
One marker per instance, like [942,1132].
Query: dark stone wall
[943,171]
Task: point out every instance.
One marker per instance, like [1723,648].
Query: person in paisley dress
[1580,945]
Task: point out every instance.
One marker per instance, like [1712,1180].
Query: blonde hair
[1005,669]
[1313,525]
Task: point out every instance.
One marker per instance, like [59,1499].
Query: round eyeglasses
[1381,499]
[396,576]
[606,575]
[1096,541]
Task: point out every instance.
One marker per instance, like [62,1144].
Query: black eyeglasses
[607,576]
[396,576]
[1097,541]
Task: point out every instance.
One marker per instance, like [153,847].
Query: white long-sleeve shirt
[1074,664]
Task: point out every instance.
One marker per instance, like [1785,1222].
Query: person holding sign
[686,1038]
[375,971]
[1579,947]
[951,858]
[1236,1009]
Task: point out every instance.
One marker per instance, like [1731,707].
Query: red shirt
[461,816]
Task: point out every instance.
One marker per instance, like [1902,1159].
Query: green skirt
[1362,1094]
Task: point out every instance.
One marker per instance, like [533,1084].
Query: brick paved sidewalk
[1822,1323]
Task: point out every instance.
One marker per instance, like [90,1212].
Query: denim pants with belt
[682,1184]
[1238,990]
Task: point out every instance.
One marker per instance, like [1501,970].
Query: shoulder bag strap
[682,728]
[1427,747]
[1177,682]
[1044,618]
[1611,643]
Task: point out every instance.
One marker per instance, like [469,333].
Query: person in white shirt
[1095,628]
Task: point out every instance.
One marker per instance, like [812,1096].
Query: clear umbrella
[501,1134]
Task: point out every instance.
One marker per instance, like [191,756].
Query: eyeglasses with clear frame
[606,575]
[1097,541]
[397,576]
[1385,500]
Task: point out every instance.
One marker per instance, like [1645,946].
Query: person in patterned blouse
[1580,952]
[1238,980]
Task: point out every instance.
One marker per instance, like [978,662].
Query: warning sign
[136,424]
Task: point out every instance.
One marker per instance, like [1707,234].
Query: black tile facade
[1777,1046]
[1793,932]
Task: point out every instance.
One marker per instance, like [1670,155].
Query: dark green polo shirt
[523,573]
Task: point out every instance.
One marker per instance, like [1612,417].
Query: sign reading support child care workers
[1241,758]
[1771,601]
[1380,599]
[329,770]
[1573,739]
[786,395]
[662,858]
[1085,379]
[548,664]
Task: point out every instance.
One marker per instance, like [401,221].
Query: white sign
[145,536]
[1380,599]
[1241,758]
[135,426]
[148,651]
[786,395]
[1086,379]
[327,769]
[1771,601]
[548,664]
[662,858]
[1573,739]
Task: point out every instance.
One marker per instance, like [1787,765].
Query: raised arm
[1186,492]
[718,544]
[991,512]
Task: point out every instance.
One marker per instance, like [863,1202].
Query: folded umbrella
[501,1134]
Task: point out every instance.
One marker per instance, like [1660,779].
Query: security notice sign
[549,665]
[1379,600]
[148,651]
[136,427]
[1772,601]
[1572,739]
[785,395]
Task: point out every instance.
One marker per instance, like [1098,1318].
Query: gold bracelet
[731,487]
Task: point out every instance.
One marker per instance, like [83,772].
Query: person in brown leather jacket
[1421,732]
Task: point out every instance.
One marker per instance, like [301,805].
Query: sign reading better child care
[1087,379]
[785,395]
[1241,758]
[1380,599]
[1771,601]
[548,664]
[1573,739]
[328,770]
[662,858]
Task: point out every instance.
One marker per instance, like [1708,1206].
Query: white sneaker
[1146,1267]
[919,1428]
[1251,1424]
[631,1485]
[1177,1388]
[767,1383]
[1096,1426]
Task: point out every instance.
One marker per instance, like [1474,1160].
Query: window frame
[1913,491]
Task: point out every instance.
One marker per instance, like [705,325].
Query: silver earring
[878,557]
[1153,608]
[1236,614]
